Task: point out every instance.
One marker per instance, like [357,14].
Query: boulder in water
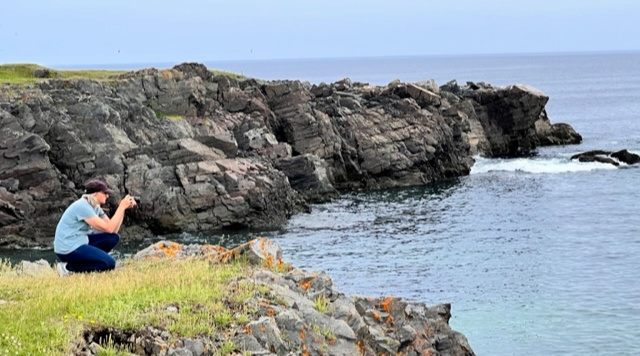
[609,157]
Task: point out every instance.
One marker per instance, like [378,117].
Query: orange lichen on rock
[271,312]
[269,260]
[210,249]
[305,285]
[361,347]
[389,319]
[170,249]
[376,316]
[229,255]
[302,334]
[247,330]
[386,304]
[305,350]
[280,264]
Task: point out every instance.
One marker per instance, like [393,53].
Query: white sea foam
[535,165]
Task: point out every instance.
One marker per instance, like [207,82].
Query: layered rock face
[206,152]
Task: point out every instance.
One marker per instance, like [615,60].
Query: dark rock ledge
[609,157]
[207,152]
[286,321]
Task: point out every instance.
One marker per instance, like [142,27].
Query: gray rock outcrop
[207,152]
[298,312]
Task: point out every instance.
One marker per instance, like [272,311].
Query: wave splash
[536,165]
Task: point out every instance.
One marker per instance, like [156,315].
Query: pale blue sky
[56,32]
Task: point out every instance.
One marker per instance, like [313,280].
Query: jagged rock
[308,175]
[626,157]
[556,134]
[174,136]
[614,158]
[507,116]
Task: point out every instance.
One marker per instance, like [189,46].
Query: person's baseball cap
[94,186]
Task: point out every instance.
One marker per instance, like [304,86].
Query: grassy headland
[25,73]
[43,315]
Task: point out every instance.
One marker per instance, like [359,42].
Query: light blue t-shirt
[72,230]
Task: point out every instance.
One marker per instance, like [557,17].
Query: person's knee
[110,264]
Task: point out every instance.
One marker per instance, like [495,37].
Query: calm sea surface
[538,256]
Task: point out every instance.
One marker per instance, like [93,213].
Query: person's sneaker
[62,269]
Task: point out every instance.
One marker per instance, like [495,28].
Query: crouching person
[85,234]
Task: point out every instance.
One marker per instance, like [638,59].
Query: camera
[136,199]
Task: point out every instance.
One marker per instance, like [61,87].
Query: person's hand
[128,202]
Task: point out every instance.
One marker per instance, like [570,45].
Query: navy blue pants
[93,257]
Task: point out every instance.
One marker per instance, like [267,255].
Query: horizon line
[143,65]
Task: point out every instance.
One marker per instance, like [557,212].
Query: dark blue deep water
[538,256]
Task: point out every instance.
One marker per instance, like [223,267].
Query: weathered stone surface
[206,152]
[556,134]
[308,175]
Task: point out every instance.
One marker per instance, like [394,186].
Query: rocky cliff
[206,152]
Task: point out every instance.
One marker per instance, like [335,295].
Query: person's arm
[112,225]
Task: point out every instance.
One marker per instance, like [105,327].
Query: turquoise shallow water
[538,256]
[527,269]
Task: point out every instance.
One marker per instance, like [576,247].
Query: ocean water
[538,256]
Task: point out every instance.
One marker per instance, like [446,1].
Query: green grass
[22,73]
[169,116]
[321,304]
[44,315]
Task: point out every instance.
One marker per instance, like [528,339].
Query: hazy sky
[67,32]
